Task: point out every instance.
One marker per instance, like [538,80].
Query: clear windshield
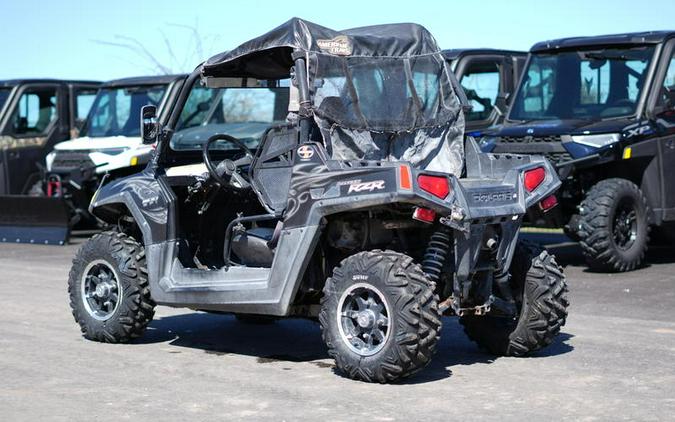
[117,111]
[4,94]
[244,112]
[388,94]
[588,84]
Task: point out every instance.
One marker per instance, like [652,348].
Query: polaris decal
[305,152]
[489,197]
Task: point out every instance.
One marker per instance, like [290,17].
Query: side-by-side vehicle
[35,114]
[339,186]
[602,109]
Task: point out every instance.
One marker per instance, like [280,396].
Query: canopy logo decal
[340,46]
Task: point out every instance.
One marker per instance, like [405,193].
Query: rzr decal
[366,186]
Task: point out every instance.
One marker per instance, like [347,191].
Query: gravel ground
[615,359]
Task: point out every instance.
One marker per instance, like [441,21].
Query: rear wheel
[614,226]
[379,316]
[108,287]
[540,291]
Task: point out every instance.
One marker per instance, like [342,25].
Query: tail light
[533,178]
[435,185]
[548,203]
[424,214]
[53,188]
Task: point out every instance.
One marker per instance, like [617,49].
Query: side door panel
[483,81]
[80,102]
[31,129]
[662,104]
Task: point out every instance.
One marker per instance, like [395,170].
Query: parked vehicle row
[334,175]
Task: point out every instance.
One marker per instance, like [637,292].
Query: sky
[102,40]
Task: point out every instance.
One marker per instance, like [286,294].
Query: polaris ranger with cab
[35,114]
[109,143]
[489,77]
[602,110]
[361,204]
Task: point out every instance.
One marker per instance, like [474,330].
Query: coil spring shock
[435,255]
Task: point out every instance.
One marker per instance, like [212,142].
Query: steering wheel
[227,171]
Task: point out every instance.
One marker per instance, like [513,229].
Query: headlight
[487,143]
[597,141]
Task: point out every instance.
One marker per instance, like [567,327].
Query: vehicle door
[28,132]
[81,99]
[662,104]
[484,81]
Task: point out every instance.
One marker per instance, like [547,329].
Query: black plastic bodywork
[21,156]
[646,139]
[487,197]
[510,64]
[492,194]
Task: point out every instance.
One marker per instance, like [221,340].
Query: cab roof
[15,82]
[143,80]
[455,53]
[270,56]
[651,37]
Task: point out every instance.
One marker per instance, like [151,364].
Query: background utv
[603,110]
[339,213]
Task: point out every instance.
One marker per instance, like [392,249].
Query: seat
[272,167]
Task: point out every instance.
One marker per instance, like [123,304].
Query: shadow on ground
[299,340]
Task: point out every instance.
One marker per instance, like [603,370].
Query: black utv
[35,114]
[340,187]
[489,77]
[602,110]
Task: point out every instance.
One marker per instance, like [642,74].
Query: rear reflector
[405,179]
[424,214]
[435,185]
[548,203]
[533,178]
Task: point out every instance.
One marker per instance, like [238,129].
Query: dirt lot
[615,359]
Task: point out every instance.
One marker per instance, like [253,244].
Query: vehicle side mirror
[149,124]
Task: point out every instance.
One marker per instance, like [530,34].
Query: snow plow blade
[29,219]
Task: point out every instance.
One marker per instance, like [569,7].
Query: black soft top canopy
[269,56]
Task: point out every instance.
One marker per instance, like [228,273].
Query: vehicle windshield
[244,109]
[4,94]
[117,111]
[587,84]
[387,94]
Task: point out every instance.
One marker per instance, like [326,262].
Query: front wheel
[540,291]
[108,287]
[379,317]
[614,226]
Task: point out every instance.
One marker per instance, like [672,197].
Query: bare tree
[167,61]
